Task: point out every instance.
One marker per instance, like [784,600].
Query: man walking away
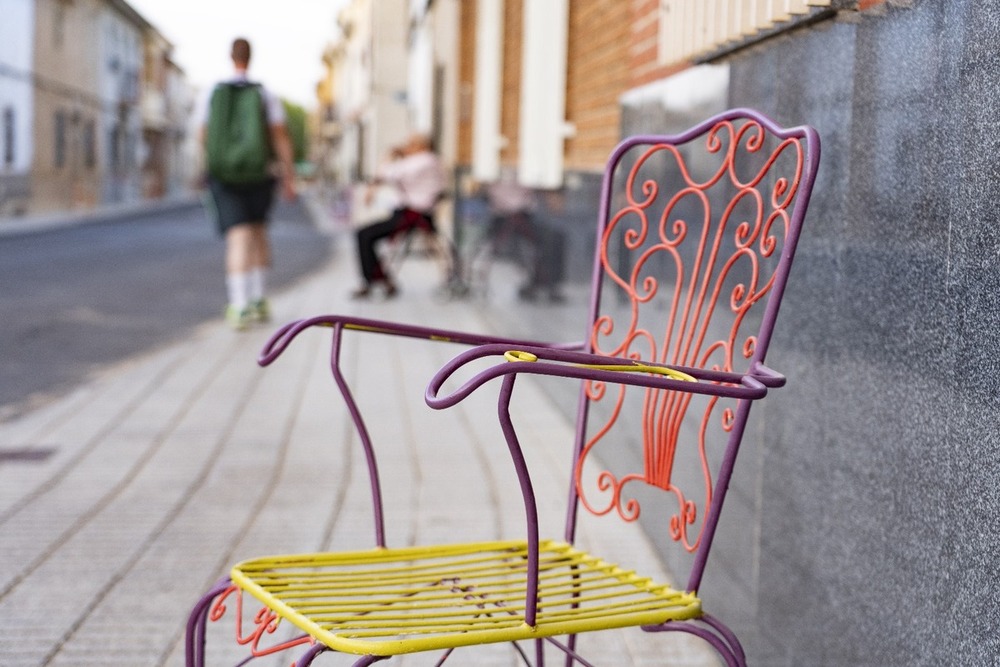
[243,130]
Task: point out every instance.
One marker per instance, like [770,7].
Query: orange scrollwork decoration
[265,622]
[706,245]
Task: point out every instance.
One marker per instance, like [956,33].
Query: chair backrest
[694,244]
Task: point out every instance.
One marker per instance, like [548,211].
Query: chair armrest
[766,376]
[599,368]
[281,338]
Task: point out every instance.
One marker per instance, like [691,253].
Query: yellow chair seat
[392,601]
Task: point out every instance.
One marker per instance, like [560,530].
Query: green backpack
[238,145]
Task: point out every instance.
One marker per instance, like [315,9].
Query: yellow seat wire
[393,601]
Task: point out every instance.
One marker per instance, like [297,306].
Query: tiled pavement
[160,472]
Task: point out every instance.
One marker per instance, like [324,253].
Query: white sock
[257,283]
[238,286]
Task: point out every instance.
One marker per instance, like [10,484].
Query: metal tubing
[527,493]
[447,654]
[194,639]
[564,363]
[281,338]
[720,644]
[570,651]
[366,442]
[579,442]
[311,654]
[723,630]
[719,495]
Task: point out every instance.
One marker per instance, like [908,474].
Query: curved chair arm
[281,338]
[600,368]
[766,376]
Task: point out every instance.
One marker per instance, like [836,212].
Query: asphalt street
[76,299]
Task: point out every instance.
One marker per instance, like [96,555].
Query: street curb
[18,226]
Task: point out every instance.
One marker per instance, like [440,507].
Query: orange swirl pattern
[265,622]
[705,243]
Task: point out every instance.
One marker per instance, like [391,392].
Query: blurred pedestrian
[513,221]
[418,178]
[247,149]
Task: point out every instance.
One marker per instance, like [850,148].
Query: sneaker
[238,318]
[260,311]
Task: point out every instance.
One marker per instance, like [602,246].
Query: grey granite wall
[870,486]
[873,482]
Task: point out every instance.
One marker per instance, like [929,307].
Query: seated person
[418,177]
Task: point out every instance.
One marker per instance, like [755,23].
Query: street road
[76,299]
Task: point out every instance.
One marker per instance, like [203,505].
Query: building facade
[181,149]
[866,522]
[371,99]
[92,109]
[68,114]
[167,103]
[120,62]
[16,105]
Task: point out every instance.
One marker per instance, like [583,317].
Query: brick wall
[466,80]
[643,45]
[597,74]
[510,115]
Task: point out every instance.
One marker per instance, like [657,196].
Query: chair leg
[311,654]
[316,649]
[714,632]
[450,261]
[569,649]
[367,660]
[194,640]
[571,645]
[726,634]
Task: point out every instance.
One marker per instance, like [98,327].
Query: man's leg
[259,263]
[239,251]
[256,201]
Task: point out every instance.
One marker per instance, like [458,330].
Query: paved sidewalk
[138,490]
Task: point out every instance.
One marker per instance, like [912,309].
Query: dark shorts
[240,204]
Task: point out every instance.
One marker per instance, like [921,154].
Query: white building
[16,103]
[119,73]
[372,99]
[182,144]
[433,69]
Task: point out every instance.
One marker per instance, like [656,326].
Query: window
[90,144]
[8,137]
[60,145]
[114,147]
[59,23]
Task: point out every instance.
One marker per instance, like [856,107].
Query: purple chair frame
[761,221]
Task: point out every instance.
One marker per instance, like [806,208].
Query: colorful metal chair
[695,240]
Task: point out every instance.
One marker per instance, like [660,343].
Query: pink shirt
[507,197]
[419,178]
